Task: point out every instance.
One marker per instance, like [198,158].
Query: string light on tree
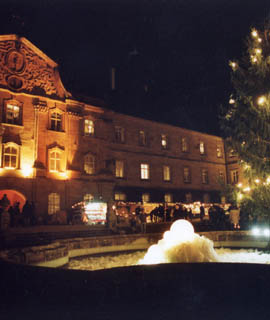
[261,100]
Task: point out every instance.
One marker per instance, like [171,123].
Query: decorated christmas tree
[246,120]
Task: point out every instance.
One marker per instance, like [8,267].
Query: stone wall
[58,253]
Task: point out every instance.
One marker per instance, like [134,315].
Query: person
[177,212]
[234,216]
[133,223]
[202,212]
[4,202]
[12,216]
[161,213]
[143,218]
[26,213]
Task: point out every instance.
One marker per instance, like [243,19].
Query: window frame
[119,171]
[184,145]
[91,131]
[92,161]
[60,160]
[187,178]
[164,141]
[53,203]
[142,138]
[119,134]
[13,103]
[145,171]
[120,196]
[202,148]
[4,154]
[204,176]
[166,196]
[166,173]
[145,197]
[234,174]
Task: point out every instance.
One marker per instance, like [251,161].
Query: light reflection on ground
[108,261]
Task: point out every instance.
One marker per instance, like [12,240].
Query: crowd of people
[12,216]
[212,217]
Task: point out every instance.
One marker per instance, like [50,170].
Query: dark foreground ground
[172,291]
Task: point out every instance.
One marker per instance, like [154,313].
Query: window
[144,171]
[234,176]
[168,197]
[187,175]
[142,138]
[202,147]
[55,158]
[184,144]
[56,121]
[119,169]
[221,176]
[89,164]
[164,141]
[13,114]
[120,196]
[166,173]
[145,197]
[11,156]
[53,203]
[119,134]
[88,197]
[219,152]
[205,176]
[89,127]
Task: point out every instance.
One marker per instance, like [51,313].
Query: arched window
[11,156]
[89,128]
[53,203]
[89,164]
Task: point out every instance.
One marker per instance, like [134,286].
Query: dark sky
[171,57]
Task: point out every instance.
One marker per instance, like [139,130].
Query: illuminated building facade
[57,150]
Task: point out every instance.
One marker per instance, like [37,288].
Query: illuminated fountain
[181,244]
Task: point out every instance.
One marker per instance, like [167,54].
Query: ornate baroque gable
[24,68]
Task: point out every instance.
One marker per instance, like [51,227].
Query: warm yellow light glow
[268,180]
[247,189]
[64,174]
[240,196]
[231,101]
[240,185]
[257,180]
[246,167]
[9,168]
[233,65]
[259,40]
[258,50]
[254,33]
[261,100]
[27,170]
[253,59]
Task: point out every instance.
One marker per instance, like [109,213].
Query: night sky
[171,57]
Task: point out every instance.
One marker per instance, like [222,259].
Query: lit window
[142,138]
[166,173]
[55,158]
[232,153]
[119,168]
[56,121]
[145,197]
[234,176]
[89,164]
[12,114]
[10,157]
[168,197]
[221,176]
[219,152]
[187,176]
[164,141]
[53,203]
[89,127]
[204,176]
[120,197]
[119,134]
[144,171]
[88,197]
[202,148]
[184,144]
